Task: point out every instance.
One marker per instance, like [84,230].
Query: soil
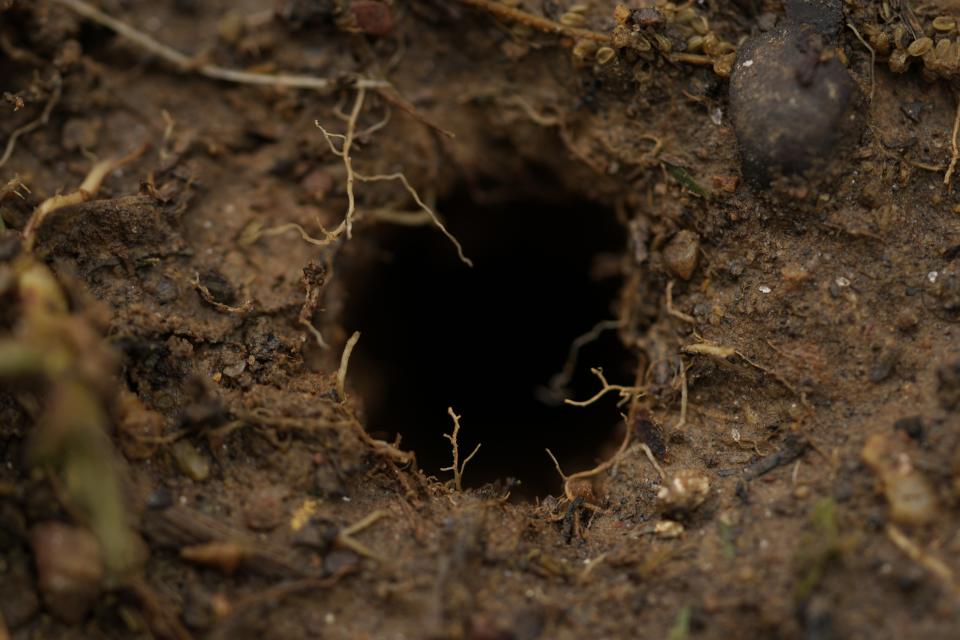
[741,214]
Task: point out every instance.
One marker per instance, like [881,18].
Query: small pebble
[191,462]
[682,253]
[264,509]
[69,570]
[373,18]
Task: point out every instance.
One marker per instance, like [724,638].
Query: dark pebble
[792,112]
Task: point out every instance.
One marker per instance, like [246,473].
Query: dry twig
[457,467]
[187,63]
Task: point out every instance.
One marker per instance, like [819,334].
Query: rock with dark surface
[793,105]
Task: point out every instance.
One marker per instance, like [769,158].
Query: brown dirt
[804,384]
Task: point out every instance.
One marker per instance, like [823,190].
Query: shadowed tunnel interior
[488,340]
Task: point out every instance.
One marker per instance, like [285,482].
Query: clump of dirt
[479,319]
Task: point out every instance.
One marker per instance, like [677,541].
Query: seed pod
[920,46]
[686,15]
[711,44]
[944,23]
[899,61]
[572,19]
[641,44]
[583,49]
[899,36]
[605,55]
[701,26]
[880,41]
[663,43]
[694,43]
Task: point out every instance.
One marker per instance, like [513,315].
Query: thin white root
[423,206]
[344,363]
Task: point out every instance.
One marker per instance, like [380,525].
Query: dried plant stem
[457,467]
[512,14]
[214,72]
[626,393]
[955,154]
[423,206]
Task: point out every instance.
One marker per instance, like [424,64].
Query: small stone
[907,319]
[884,365]
[682,253]
[264,509]
[138,427]
[793,110]
[373,17]
[191,462]
[69,570]
[685,491]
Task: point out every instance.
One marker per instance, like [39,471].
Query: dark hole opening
[488,340]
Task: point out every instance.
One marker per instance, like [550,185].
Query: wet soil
[742,215]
